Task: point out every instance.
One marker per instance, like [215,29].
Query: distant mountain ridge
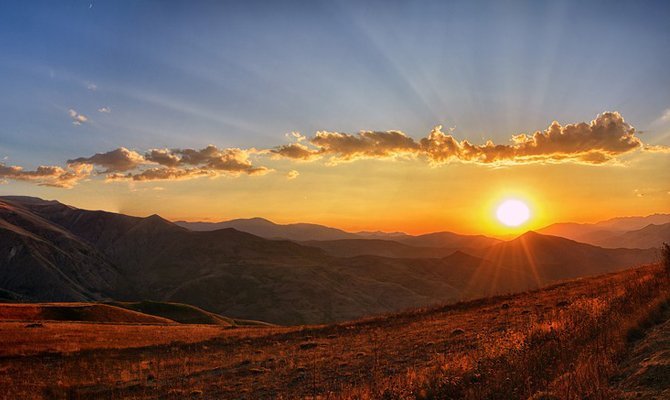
[303,232]
[626,232]
[270,230]
[50,251]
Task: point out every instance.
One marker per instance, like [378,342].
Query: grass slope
[81,312]
[184,313]
[559,342]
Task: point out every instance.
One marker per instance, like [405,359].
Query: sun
[513,212]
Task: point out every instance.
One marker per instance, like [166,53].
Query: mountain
[42,261]
[605,233]
[378,247]
[268,229]
[634,223]
[449,240]
[553,258]
[51,251]
[312,232]
[651,236]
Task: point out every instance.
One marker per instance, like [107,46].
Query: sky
[362,115]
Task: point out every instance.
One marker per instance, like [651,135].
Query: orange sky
[393,195]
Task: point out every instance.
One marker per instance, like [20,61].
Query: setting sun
[513,212]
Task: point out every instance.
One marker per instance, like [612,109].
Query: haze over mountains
[311,232]
[50,251]
[628,232]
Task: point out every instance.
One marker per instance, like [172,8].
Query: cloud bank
[599,141]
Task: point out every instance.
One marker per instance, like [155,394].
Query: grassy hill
[561,342]
[184,313]
[81,312]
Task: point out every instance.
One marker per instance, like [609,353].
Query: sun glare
[513,212]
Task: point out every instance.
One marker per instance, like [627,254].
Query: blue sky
[245,73]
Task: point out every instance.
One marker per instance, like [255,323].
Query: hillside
[183,313]
[43,261]
[547,341]
[552,258]
[651,236]
[377,247]
[102,255]
[81,312]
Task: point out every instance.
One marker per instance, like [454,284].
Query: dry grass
[562,341]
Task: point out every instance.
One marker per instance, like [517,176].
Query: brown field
[567,339]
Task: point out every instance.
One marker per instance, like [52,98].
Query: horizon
[505,236]
[224,111]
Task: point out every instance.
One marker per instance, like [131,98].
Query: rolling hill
[378,247]
[80,312]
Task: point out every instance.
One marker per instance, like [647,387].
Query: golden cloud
[117,160]
[599,141]
[47,175]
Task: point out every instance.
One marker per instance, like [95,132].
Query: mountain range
[53,252]
[629,232]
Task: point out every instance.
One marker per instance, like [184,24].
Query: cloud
[91,86]
[348,147]
[47,175]
[161,174]
[77,119]
[118,160]
[295,151]
[597,142]
[106,110]
[292,174]
[230,160]
[182,164]
[365,144]
[658,148]
[162,157]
